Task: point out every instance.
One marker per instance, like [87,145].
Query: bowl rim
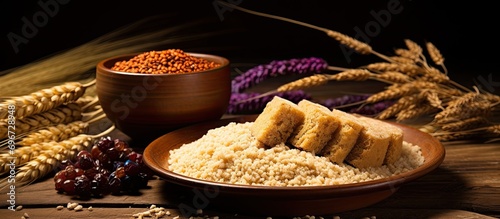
[101,65]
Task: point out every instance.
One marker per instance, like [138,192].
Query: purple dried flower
[259,73]
[241,103]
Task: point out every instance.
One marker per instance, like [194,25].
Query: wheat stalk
[303,83]
[21,155]
[463,100]
[453,114]
[50,157]
[455,106]
[88,103]
[436,56]
[494,99]
[434,53]
[433,98]
[350,42]
[494,129]
[392,92]
[63,114]
[321,79]
[392,77]
[398,90]
[491,131]
[402,60]
[345,40]
[415,111]
[408,69]
[450,136]
[25,154]
[401,104]
[405,53]
[43,100]
[33,144]
[414,48]
[54,133]
[434,75]
[418,88]
[352,75]
[469,123]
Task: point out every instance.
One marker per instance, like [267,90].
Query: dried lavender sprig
[245,103]
[257,74]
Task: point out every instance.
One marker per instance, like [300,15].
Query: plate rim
[392,182]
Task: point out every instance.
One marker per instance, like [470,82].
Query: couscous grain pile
[230,154]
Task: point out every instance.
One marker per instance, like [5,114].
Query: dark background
[465,32]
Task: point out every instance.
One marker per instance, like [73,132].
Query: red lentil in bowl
[145,106]
[170,61]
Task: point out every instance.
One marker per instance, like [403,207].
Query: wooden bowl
[145,106]
[285,201]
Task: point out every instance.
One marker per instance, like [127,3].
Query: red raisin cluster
[111,167]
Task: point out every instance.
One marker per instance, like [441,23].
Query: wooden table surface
[466,185]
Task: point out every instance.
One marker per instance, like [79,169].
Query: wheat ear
[401,104]
[55,133]
[493,129]
[21,155]
[352,75]
[398,90]
[48,160]
[490,131]
[433,98]
[348,41]
[435,54]
[411,70]
[32,145]
[88,103]
[469,123]
[456,105]
[402,60]
[415,111]
[43,100]
[434,75]
[414,47]
[25,154]
[63,114]
[392,77]
[451,136]
[306,82]
[407,54]
[413,53]
[454,114]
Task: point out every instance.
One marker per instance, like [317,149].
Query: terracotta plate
[286,201]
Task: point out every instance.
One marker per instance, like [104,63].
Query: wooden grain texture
[466,185]
[469,179]
[107,212]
